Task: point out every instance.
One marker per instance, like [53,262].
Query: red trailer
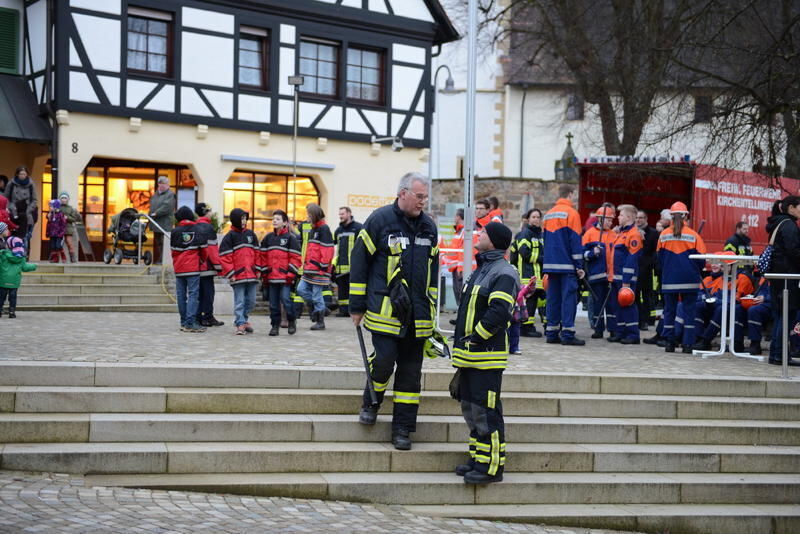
[720,197]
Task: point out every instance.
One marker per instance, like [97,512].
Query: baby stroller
[126,228]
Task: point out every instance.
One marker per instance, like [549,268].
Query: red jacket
[280,257]
[212,266]
[188,246]
[5,215]
[238,254]
[319,253]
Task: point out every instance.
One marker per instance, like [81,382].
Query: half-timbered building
[199,91]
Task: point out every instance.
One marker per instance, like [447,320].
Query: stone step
[306,456]
[35,373]
[90,289]
[516,488]
[59,427]
[79,279]
[309,401]
[94,268]
[91,300]
[672,518]
[122,308]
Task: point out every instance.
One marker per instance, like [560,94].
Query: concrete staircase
[94,287]
[643,453]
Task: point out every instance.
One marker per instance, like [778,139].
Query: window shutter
[9,40]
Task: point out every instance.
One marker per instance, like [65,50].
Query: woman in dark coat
[22,204]
[785,259]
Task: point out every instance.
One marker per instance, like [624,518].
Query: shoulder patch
[187,237]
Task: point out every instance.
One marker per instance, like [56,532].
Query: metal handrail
[785,318]
[156,225]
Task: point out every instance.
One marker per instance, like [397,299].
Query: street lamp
[449,89]
[295,81]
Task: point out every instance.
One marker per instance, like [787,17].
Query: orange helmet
[545,281]
[727,253]
[604,211]
[678,207]
[626,297]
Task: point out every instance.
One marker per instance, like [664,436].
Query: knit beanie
[202,209]
[16,245]
[184,213]
[499,235]
[236,218]
[63,194]
[3,228]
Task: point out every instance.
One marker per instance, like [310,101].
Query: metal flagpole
[469,153]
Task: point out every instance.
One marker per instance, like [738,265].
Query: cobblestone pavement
[155,337]
[61,503]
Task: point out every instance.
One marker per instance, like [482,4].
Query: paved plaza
[155,338]
[61,503]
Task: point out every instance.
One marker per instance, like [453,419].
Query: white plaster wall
[360,179]
[101,40]
[37,22]
[207,59]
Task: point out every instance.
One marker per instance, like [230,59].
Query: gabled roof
[19,114]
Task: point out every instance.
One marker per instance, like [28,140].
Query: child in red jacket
[280,263]
[189,255]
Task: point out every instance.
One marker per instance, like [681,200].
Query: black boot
[687,349]
[292,327]
[738,346]
[669,347]
[368,415]
[476,477]
[320,324]
[597,335]
[212,321]
[651,340]
[400,439]
[12,314]
[702,344]
[463,469]
[274,331]
[755,348]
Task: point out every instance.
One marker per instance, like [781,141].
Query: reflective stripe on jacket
[627,250]
[563,252]
[280,257]
[678,272]
[188,246]
[345,238]
[599,267]
[238,254]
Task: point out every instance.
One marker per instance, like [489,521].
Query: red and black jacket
[212,266]
[189,249]
[238,254]
[280,257]
[319,253]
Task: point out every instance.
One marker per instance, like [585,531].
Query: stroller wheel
[107,255]
[135,260]
[118,256]
[147,257]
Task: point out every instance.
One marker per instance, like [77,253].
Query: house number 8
[74,148]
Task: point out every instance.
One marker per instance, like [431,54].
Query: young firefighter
[627,248]
[598,244]
[280,262]
[189,254]
[680,275]
[238,254]
[210,268]
[481,351]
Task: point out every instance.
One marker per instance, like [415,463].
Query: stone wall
[515,194]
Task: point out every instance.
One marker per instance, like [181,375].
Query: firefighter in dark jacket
[345,238]
[189,255]
[393,288]
[739,242]
[481,352]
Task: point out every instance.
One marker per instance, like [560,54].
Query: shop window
[319,65]
[149,46]
[260,194]
[9,41]
[365,75]
[253,58]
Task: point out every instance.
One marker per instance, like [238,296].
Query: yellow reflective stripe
[380,387]
[481,331]
[388,319]
[364,236]
[491,400]
[468,326]
[501,295]
[358,288]
[405,397]
[485,447]
[386,307]
[495,462]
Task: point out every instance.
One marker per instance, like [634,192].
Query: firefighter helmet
[727,253]
[626,297]
[436,346]
[678,207]
[748,302]
[604,211]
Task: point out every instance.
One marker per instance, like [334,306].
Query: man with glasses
[393,283]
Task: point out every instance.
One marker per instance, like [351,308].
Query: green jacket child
[11,269]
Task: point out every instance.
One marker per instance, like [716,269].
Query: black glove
[401,302]
[455,390]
